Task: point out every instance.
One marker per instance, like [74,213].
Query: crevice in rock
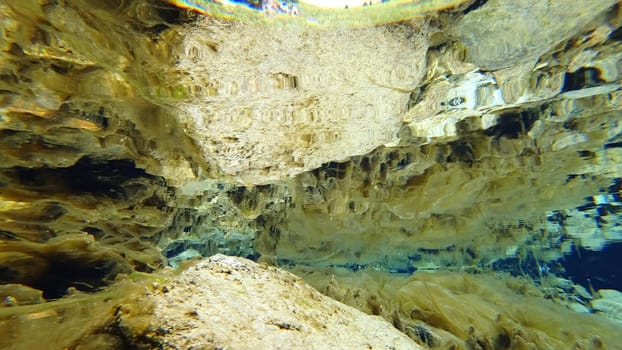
[474,6]
[171,14]
[613,145]
[69,262]
[99,177]
[616,35]
[582,78]
[512,125]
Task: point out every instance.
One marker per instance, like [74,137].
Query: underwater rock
[475,195]
[595,223]
[69,261]
[234,303]
[290,98]
[78,148]
[79,321]
[448,310]
[234,243]
[425,148]
[78,221]
[17,294]
[218,302]
[482,137]
[522,30]
[609,303]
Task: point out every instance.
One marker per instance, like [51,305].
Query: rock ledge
[233,303]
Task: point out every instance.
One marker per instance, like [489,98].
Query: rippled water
[321,12]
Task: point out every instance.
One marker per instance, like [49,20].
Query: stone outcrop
[483,153]
[227,302]
[609,303]
[288,98]
[215,303]
[522,31]
[135,134]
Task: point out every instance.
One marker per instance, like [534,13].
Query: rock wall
[82,196]
[135,134]
[288,98]
[482,156]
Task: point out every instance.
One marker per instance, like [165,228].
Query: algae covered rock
[17,294]
[609,303]
[503,33]
[449,310]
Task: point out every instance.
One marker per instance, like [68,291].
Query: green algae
[80,321]
[449,310]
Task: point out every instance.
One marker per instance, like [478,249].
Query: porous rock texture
[234,303]
[523,30]
[134,133]
[220,302]
[290,98]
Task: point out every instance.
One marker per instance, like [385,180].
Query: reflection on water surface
[452,166]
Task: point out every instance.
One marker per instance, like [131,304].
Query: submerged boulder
[217,303]
[234,303]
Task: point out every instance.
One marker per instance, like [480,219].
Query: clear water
[135,134]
